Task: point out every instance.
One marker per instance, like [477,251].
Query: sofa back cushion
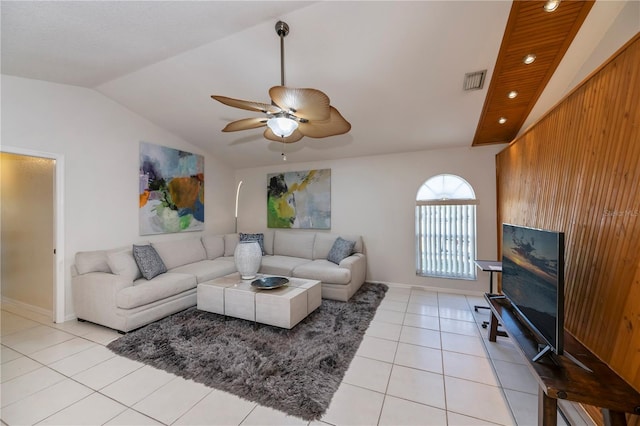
[180,252]
[268,241]
[292,243]
[324,242]
[122,263]
[230,243]
[213,245]
[92,261]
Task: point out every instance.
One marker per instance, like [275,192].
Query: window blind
[445,235]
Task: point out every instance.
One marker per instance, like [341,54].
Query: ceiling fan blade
[335,125]
[245,124]
[294,137]
[310,104]
[248,105]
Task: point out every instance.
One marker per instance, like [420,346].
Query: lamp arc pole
[237,197]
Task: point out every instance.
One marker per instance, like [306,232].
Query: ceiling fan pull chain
[284,156]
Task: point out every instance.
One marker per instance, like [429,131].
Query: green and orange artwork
[171,189]
[299,199]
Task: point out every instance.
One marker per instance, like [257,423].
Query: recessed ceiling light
[529,58]
[502,120]
[512,94]
[551,5]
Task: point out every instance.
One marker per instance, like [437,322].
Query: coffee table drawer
[239,302]
[211,296]
[284,307]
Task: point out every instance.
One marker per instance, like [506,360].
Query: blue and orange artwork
[299,199]
[171,190]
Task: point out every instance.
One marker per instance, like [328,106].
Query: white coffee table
[281,307]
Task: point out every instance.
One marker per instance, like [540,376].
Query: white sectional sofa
[108,288]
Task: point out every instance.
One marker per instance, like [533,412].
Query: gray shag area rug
[296,371]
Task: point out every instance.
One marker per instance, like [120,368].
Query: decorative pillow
[149,261]
[254,237]
[340,249]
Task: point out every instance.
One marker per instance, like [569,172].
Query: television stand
[577,376]
[491,266]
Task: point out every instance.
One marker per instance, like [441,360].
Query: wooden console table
[562,378]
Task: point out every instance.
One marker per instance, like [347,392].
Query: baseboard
[436,289]
[8,303]
[575,413]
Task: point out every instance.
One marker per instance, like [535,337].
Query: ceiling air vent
[474,80]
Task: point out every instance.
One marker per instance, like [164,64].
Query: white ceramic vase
[248,257]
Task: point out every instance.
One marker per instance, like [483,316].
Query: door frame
[58,226]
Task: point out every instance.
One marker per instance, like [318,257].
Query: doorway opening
[33,231]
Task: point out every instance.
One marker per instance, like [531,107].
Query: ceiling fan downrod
[282,29]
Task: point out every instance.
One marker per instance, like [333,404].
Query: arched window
[446,228]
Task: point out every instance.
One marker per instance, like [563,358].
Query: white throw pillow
[122,263]
[92,261]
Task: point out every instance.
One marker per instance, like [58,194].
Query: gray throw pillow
[149,261]
[341,248]
[254,237]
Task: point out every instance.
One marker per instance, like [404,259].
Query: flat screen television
[533,281]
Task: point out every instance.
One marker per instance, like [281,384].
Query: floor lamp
[237,195]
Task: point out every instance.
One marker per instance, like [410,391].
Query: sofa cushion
[206,270]
[230,243]
[254,237]
[144,292]
[341,248]
[148,260]
[295,244]
[92,261]
[180,252]
[281,265]
[322,244]
[268,241]
[323,270]
[121,262]
[213,245]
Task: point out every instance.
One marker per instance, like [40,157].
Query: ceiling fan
[292,113]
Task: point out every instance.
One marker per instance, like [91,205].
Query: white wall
[375,197]
[99,140]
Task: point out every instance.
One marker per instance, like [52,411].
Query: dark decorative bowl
[269,283]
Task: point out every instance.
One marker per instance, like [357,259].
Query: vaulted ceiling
[395,70]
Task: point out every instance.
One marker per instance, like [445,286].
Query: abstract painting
[171,190]
[299,199]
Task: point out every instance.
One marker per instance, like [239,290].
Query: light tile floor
[424,360]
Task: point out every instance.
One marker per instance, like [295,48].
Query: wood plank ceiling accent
[530,29]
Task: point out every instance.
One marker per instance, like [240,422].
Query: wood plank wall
[577,170]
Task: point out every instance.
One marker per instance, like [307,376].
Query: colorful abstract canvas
[299,199]
[171,190]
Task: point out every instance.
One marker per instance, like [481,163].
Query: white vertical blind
[446,245]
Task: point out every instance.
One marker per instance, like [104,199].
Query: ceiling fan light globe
[282,126]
